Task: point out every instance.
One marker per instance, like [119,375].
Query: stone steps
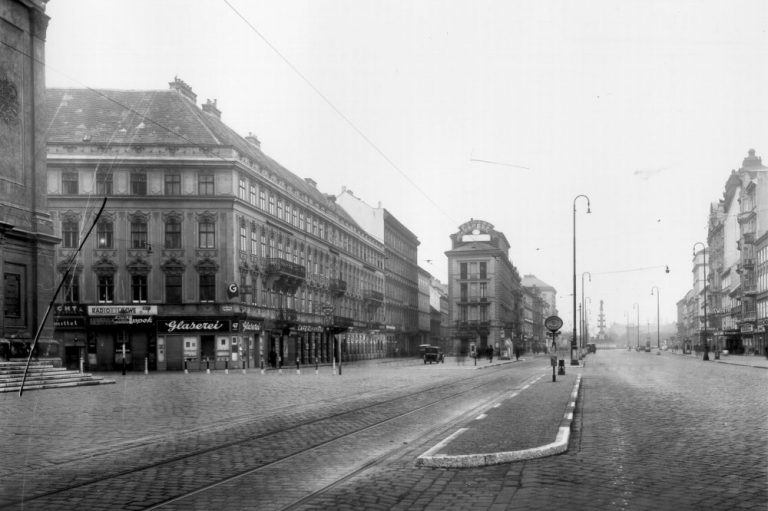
[43,376]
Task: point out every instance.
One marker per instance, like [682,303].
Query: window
[252,195]
[242,189]
[172,233]
[263,244]
[72,290]
[262,200]
[104,184]
[173,288]
[280,209]
[106,289]
[207,287]
[69,234]
[483,272]
[254,242]
[104,234]
[205,184]
[243,238]
[207,234]
[172,184]
[301,220]
[69,183]
[463,271]
[138,183]
[139,234]
[139,288]
[271,205]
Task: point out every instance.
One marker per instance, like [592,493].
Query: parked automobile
[433,354]
[591,347]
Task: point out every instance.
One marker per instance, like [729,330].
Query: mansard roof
[157,117]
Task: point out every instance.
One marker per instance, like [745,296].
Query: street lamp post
[637,305]
[658,341]
[583,313]
[704,255]
[574,344]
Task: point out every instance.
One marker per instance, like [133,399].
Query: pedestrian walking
[490,354]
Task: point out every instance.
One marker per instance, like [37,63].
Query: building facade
[401,271]
[484,290]
[208,254]
[27,239]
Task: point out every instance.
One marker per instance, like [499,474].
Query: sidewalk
[757,361]
[531,422]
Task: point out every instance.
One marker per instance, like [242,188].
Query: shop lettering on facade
[122,310]
[183,325]
[251,326]
[309,328]
[69,322]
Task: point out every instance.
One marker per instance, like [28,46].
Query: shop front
[121,337]
[69,329]
[198,343]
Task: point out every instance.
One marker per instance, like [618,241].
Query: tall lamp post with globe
[574,345]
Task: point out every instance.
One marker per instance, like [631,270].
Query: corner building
[209,254]
[484,290]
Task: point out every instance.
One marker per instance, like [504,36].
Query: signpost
[553,324]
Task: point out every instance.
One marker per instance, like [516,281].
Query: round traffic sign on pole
[553,323]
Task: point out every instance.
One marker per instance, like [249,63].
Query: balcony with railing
[373,297]
[284,275]
[746,216]
[473,325]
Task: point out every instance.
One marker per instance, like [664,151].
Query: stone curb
[560,445]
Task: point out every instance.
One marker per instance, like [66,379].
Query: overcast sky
[644,106]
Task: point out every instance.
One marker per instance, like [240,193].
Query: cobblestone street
[650,432]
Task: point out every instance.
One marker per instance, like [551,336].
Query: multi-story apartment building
[732,290]
[425,318]
[540,304]
[401,293]
[438,312]
[209,253]
[753,223]
[484,289]
[761,279]
[27,238]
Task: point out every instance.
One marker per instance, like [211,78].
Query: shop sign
[390,327]
[121,320]
[69,309]
[251,326]
[308,328]
[170,326]
[748,328]
[122,310]
[69,322]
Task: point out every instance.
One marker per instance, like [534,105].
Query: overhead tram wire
[339,112]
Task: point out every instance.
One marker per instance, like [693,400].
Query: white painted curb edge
[560,445]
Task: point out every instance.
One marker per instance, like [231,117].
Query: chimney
[183,88]
[311,182]
[210,107]
[251,138]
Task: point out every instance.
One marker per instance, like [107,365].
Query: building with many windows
[484,290]
[401,294]
[208,254]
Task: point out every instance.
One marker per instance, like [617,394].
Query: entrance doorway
[208,347]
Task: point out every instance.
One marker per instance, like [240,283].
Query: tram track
[246,456]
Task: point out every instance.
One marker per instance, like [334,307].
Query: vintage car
[433,354]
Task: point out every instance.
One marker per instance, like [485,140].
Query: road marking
[480,417]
